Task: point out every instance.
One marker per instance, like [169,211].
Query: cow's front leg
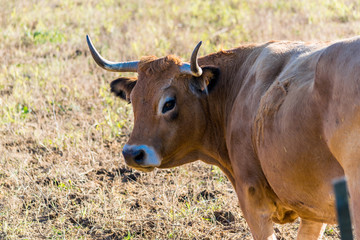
[310,230]
[257,210]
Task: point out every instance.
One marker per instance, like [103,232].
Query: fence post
[342,208]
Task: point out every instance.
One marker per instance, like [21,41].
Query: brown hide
[280,119]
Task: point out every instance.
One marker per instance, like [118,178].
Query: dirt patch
[83,222]
[32,147]
[207,195]
[44,219]
[77,199]
[135,205]
[125,174]
[185,197]
[45,181]
[224,218]
[7,91]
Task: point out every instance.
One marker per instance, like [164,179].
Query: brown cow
[281,119]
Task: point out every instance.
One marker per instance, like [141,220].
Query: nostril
[139,156]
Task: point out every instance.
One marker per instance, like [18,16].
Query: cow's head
[170,109]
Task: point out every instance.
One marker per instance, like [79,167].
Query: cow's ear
[204,84]
[123,86]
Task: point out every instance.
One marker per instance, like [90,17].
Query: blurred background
[62,175]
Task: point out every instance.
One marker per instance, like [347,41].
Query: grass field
[62,175]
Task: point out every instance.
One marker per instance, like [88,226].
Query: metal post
[342,207]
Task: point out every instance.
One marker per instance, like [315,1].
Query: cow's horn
[193,68]
[111,66]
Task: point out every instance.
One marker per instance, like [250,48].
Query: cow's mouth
[144,169]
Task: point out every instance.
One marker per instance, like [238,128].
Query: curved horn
[108,65]
[193,68]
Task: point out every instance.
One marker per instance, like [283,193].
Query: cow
[281,119]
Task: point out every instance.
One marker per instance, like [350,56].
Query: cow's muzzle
[141,156]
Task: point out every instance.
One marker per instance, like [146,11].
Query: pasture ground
[62,175]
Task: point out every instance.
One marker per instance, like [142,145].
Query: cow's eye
[169,104]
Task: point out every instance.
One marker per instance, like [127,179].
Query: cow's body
[282,120]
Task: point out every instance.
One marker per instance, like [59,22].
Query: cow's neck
[234,69]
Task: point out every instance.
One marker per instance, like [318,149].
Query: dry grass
[61,132]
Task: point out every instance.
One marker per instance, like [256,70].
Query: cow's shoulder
[293,84]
